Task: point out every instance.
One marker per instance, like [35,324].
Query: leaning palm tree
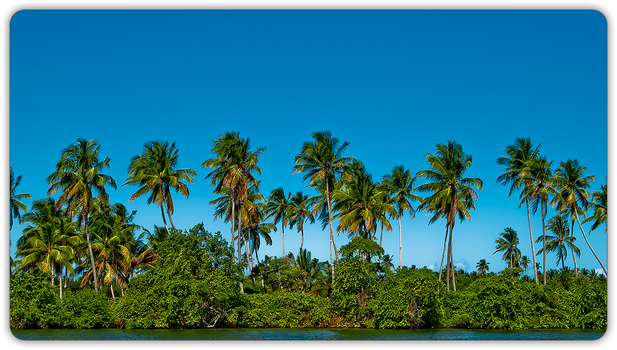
[277,209]
[572,184]
[452,194]
[539,186]
[482,266]
[519,156]
[322,158]
[16,205]
[77,176]
[155,172]
[598,203]
[400,185]
[507,243]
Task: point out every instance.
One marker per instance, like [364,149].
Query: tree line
[81,233]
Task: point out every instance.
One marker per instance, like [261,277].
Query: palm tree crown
[16,205]
[507,243]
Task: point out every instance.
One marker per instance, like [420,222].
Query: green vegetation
[85,263]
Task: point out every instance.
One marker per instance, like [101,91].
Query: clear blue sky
[392,83]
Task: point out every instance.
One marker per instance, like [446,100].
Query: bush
[34,301]
[285,310]
[86,308]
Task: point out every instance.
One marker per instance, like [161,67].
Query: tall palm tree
[452,194]
[322,158]
[561,241]
[539,186]
[233,166]
[299,213]
[520,154]
[482,266]
[155,172]
[598,203]
[16,205]
[277,209]
[400,184]
[572,184]
[77,176]
[507,243]
[524,262]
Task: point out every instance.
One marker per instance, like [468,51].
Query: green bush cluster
[195,285]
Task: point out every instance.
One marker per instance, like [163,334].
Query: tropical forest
[82,261]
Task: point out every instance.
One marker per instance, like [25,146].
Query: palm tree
[360,204]
[507,243]
[77,176]
[452,194]
[561,241]
[572,184]
[322,158]
[598,203]
[524,262]
[16,206]
[539,186]
[482,266]
[233,166]
[299,213]
[47,244]
[400,184]
[519,156]
[154,171]
[277,209]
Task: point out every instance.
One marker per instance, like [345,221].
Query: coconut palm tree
[77,176]
[299,213]
[47,243]
[520,154]
[482,266]
[507,243]
[572,184]
[598,203]
[233,166]
[539,186]
[400,185]
[155,172]
[16,205]
[277,209]
[361,204]
[452,193]
[322,158]
[561,241]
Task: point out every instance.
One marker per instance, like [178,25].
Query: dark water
[304,334]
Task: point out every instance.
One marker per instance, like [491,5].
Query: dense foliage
[194,284]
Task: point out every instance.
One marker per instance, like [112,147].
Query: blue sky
[392,83]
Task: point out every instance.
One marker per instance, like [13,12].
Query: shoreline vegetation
[83,262]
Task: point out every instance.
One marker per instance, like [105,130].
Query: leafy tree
[155,172]
[519,157]
[77,176]
[507,243]
[400,184]
[452,193]
[322,158]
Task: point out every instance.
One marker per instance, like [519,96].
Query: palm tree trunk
[574,257]
[233,227]
[111,288]
[164,221]
[85,223]
[283,234]
[168,214]
[594,253]
[302,242]
[400,244]
[60,280]
[533,250]
[331,230]
[543,242]
[452,258]
[445,242]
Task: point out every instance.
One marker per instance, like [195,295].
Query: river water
[304,334]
